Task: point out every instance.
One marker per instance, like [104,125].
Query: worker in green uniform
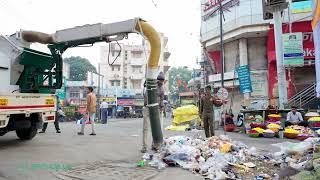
[206,111]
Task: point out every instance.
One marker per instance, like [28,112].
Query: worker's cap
[161,76]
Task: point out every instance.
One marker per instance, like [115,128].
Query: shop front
[112,104]
[298,76]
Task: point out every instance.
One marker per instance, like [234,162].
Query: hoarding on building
[139,102]
[301,7]
[112,101]
[293,49]
[259,84]
[244,79]
[125,102]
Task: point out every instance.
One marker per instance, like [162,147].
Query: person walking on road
[104,111]
[91,111]
[56,121]
[206,111]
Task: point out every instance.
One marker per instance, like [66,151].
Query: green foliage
[79,68]
[182,73]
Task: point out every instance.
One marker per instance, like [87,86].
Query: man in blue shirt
[56,122]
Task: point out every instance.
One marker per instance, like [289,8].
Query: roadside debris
[213,158]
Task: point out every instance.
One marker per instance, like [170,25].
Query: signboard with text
[112,101]
[301,7]
[293,54]
[244,79]
[125,102]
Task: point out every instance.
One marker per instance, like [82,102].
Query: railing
[304,97]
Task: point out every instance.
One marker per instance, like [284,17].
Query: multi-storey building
[249,40]
[124,66]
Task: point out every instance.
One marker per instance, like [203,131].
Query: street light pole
[99,95]
[221,46]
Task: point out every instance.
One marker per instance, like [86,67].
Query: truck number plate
[49,101]
[3,102]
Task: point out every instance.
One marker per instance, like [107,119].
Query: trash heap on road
[213,158]
[222,158]
[299,160]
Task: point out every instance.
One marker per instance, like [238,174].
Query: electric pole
[275,7]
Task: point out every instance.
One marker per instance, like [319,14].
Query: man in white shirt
[104,111]
[295,118]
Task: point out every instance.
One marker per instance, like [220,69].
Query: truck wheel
[2,133]
[26,134]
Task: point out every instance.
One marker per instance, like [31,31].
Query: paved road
[119,141]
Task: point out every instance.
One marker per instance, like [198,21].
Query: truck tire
[2,133]
[27,134]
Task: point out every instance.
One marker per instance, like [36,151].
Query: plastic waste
[175,159]
[298,148]
[157,163]
[147,156]
[249,165]
[141,163]
[252,151]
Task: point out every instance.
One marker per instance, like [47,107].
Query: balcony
[137,76]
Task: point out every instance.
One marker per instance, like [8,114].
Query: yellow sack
[186,114]
[225,148]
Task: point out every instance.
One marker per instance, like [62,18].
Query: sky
[179,20]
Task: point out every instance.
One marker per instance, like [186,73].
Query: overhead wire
[109,50]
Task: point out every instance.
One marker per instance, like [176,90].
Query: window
[136,84]
[115,83]
[115,67]
[136,69]
[74,94]
[136,54]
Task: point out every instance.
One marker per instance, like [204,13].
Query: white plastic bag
[299,148]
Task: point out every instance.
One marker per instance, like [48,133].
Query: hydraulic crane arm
[90,34]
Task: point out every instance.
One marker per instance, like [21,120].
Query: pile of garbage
[299,160]
[213,158]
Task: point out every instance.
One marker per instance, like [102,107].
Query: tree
[79,68]
[178,78]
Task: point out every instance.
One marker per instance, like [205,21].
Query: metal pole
[222,62]
[289,16]
[281,73]
[99,76]
[221,47]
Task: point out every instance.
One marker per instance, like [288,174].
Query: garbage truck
[29,77]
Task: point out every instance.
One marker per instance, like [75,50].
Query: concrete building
[124,66]
[248,41]
[76,90]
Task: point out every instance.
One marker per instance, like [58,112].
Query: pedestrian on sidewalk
[56,120]
[206,111]
[104,111]
[91,111]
